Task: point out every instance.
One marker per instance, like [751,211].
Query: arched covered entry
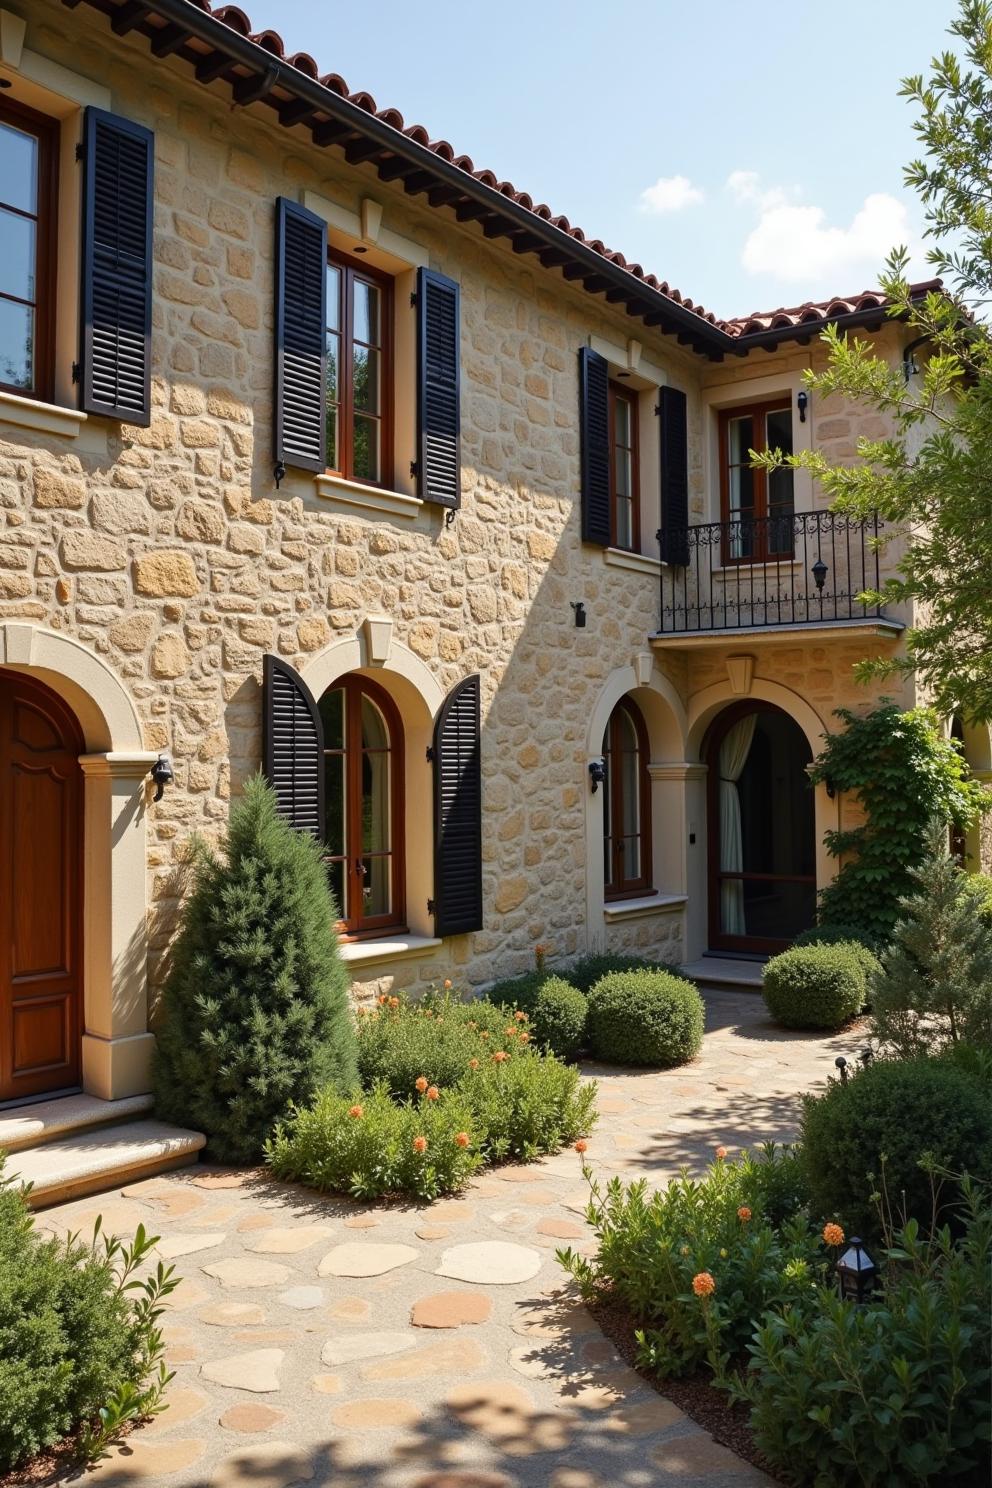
[761,833]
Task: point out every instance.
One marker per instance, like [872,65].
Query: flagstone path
[333,1343]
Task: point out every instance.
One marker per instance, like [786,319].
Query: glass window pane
[332,717]
[622,471]
[17,261]
[375,802]
[365,379]
[366,452]
[16,344]
[740,440]
[631,858]
[621,421]
[333,298]
[18,168]
[376,896]
[625,524]
[741,489]
[631,799]
[780,490]
[779,430]
[375,734]
[366,312]
[332,439]
[338,880]
[333,365]
[335,808]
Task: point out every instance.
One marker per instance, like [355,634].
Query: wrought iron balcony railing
[792,568]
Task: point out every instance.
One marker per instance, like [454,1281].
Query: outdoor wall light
[580,613]
[163,774]
[802,403]
[840,1063]
[819,572]
[597,774]
[856,1273]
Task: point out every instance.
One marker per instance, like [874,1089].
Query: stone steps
[47,1121]
[725,972]
[96,1158]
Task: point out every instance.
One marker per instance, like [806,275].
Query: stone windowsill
[44,418]
[353,496]
[635,562]
[391,948]
[633,909]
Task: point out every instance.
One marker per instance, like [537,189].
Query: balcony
[792,570]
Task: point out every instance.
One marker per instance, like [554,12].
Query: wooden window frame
[758,413]
[350,269]
[617,886]
[359,926]
[617,393]
[46,131]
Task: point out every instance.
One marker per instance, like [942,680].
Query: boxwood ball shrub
[558,1017]
[589,970]
[870,1133]
[816,986]
[838,934]
[645,1018]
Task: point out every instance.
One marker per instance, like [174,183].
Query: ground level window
[363,774]
[626,804]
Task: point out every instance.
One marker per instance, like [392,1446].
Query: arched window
[363,774]
[626,803]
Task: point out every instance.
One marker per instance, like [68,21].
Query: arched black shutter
[674,477]
[293,746]
[116,300]
[439,456]
[458,811]
[594,432]
[300,352]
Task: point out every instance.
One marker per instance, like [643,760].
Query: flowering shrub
[696,1262]
[526,1103]
[424,1146]
[400,1041]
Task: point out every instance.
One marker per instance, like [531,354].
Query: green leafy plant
[884,1130]
[255,1012]
[696,1261]
[556,1012]
[526,1103]
[80,1346]
[370,1145]
[837,934]
[400,1041]
[935,986]
[817,986]
[645,1018]
[904,774]
[888,1393]
[589,970]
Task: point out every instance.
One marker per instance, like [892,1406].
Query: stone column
[117,1045]
[678,812]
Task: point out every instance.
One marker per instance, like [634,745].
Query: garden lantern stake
[856,1273]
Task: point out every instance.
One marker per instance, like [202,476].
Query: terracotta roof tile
[812,311]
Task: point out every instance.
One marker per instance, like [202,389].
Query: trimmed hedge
[815,986]
[898,1110]
[645,1018]
[558,1017]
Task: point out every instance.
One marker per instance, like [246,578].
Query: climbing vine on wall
[906,775]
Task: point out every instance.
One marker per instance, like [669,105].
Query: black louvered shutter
[293,746]
[458,811]
[439,455]
[674,477]
[116,301]
[594,434]
[300,355]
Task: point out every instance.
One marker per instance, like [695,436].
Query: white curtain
[733,757]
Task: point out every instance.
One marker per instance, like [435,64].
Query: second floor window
[27,209]
[359,389]
[624,510]
[757,507]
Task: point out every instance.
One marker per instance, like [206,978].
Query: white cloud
[795,243]
[670,194]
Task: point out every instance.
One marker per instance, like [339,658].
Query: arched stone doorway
[761,834]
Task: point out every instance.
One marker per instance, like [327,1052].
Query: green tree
[933,477]
[255,1012]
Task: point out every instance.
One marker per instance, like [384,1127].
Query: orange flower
[525,1038]
[432,1092]
[721,1153]
[421,1083]
[356,1112]
[581,1145]
[462,1139]
[520,1017]
[499,1056]
[473,1064]
[833,1234]
[703,1284]
[744,1213]
[420,1144]
[510,1032]
[394,1002]
[447,984]
[382,999]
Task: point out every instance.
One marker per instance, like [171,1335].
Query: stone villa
[323,449]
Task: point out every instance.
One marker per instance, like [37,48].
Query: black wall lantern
[856,1273]
[819,572]
[163,774]
[580,613]
[802,403]
[597,774]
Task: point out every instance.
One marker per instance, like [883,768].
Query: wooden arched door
[41,961]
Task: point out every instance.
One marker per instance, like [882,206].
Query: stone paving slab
[349,1352]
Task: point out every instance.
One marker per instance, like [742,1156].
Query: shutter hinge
[278,473]
[413,301]
[430,753]
[79,151]
[77,372]
[657,409]
[449,517]
[414,467]
[432,906]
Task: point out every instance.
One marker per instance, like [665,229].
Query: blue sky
[749,151]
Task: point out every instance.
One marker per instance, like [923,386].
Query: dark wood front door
[40,890]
